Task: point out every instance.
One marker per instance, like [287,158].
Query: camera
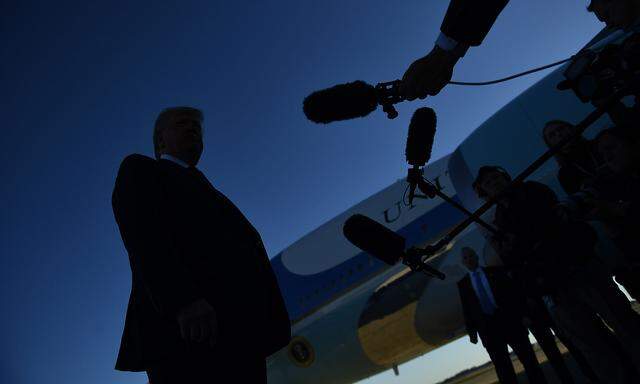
[594,75]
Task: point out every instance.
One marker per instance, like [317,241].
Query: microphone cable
[534,70]
[405,201]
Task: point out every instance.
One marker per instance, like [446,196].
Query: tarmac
[485,374]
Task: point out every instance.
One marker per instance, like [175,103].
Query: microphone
[374,238]
[341,102]
[386,245]
[422,131]
[351,100]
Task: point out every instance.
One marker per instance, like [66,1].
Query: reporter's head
[555,131]
[469,258]
[616,13]
[491,181]
[178,132]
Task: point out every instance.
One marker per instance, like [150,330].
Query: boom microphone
[422,131]
[351,100]
[374,238]
[341,102]
[386,245]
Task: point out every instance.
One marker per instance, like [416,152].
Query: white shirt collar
[174,159]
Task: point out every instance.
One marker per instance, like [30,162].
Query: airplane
[354,316]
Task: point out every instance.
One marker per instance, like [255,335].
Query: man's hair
[165,117]
[483,172]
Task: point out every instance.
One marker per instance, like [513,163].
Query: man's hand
[198,322]
[428,75]
[473,338]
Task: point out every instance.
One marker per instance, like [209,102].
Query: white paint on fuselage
[326,247]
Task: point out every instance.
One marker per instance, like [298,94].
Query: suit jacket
[508,297]
[469,21]
[545,246]
[186,241]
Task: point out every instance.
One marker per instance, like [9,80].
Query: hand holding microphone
[352,100]
[429,74]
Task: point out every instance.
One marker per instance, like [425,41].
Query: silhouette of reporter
[617,198]
[202,284]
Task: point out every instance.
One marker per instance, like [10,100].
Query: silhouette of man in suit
[492,309]
[204,300]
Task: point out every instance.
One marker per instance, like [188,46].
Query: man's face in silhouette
[616,13]
[555,133]
[617,154]
[469,259]
[493,183]
[182,138]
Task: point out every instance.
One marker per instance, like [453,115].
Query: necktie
[483,296]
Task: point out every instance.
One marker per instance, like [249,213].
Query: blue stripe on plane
[304,294]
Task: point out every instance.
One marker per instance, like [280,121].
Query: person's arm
[465,24]
[510,290]
[137,200]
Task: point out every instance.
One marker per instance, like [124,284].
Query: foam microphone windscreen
[422,131]
[341,102]
[374,238]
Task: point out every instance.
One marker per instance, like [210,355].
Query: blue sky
[83,82]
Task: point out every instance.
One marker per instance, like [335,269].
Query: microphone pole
[430,191]
[413,259]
